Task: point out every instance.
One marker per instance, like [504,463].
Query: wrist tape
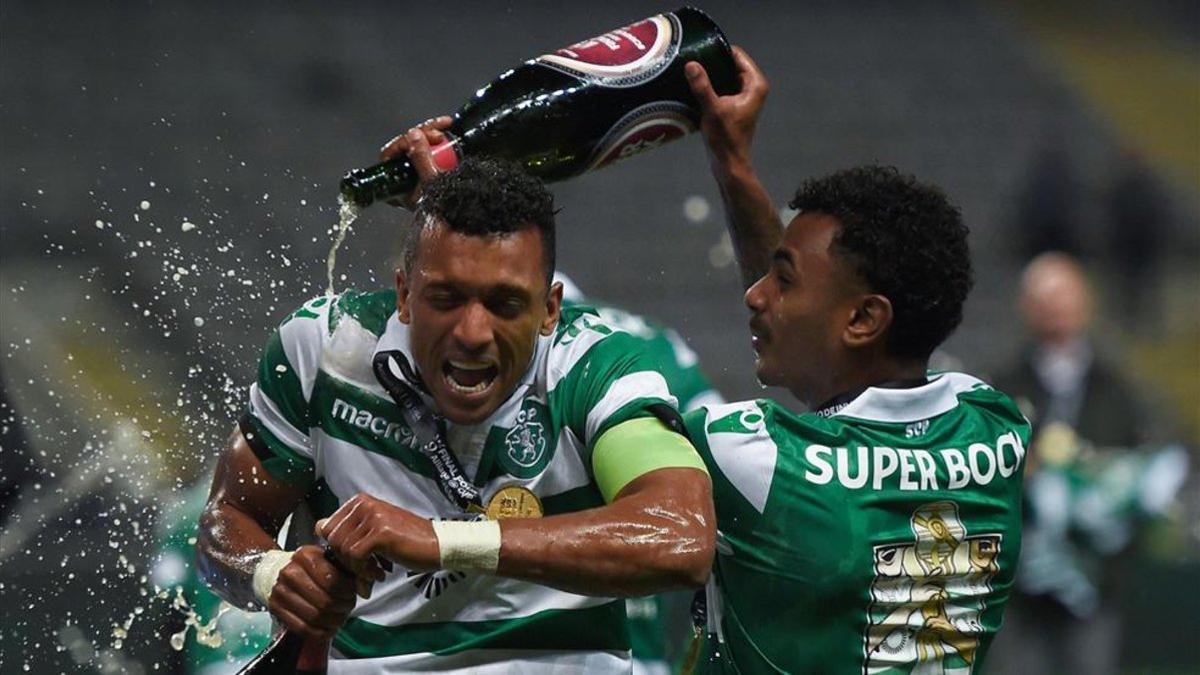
[468,546]
[266,572]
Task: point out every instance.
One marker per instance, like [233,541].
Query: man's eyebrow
[511,290]
[783,255]
[500,289]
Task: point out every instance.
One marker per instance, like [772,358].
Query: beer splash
[347,213]
[207,633]
[131,452]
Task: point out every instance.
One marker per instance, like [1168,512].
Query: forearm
[754,225]
[229,546]
[244,513]
[645,542]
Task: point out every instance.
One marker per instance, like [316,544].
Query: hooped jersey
[879,539]
[322,418]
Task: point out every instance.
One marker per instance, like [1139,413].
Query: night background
[168,183]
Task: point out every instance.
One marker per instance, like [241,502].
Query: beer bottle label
[625,57]
[644,128]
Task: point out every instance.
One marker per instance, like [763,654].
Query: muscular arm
[245,510]
[657,535]
[754,225]
[728,124]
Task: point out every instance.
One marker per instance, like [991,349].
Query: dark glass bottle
[580,108]
[290,653]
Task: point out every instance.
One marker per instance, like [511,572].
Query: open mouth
[756,343]
[757,338]
[469,377]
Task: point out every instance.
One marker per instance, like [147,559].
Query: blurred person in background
[1093,479]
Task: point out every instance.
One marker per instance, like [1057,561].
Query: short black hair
[907,241]
[486,197]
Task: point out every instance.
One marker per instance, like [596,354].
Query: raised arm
[728,124]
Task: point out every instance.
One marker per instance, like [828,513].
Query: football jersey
[323,418]
[673,357]
[880,537]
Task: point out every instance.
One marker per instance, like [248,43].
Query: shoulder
[320,316]
[982,398]
[755,422]
[584,337]
[344,327]
[739,442]
[370,308]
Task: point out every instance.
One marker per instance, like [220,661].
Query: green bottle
[577,109]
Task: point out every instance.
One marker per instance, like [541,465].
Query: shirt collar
[881,404]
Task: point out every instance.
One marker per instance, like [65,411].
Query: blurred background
[168,179]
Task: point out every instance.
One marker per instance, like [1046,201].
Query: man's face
[475,307]
[1055,300]
[800,309]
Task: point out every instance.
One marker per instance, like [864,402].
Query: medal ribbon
[427,427]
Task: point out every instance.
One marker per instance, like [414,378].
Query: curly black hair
[486,197]
[907,241]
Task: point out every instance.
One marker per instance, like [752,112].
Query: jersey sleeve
[600,377]
[278,417]
[678,362]
[735,444]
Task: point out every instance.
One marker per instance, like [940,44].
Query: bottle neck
[394,177]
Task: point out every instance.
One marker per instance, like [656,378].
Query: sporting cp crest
[527,446]
[928,596]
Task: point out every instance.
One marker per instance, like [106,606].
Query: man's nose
[473,332]
[755,297]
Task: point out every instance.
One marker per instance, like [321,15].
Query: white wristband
[266,572]
[468,546]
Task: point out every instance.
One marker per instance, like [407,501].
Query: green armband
[635,448]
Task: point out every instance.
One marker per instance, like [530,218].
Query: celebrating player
[512,456]
[879,532]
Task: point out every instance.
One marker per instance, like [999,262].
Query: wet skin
[475,307]
[815,324]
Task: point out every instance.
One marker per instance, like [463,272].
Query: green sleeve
[278,416]
[614,381]
[634,448]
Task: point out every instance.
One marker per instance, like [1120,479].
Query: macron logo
[375,424]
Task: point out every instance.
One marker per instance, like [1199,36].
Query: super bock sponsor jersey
[879,538]
[322,417]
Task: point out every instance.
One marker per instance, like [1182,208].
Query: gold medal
[514,501]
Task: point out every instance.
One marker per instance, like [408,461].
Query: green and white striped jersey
[881,538]
[667,349]
[322,417]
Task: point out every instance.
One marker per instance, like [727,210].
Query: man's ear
[869,321]
[553,308]
[402,300]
